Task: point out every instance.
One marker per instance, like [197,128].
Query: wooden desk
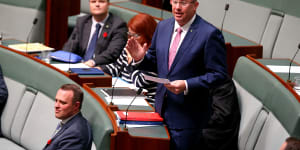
[154,3]
[281,62]
[97,80]
[281,77]
[234,52]
[237,46]
[94,80]
[146,138]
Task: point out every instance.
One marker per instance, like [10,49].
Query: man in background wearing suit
[3,95]
[100,37]
[73,132]
[191,53]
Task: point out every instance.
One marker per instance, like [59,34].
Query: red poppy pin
[49,142]
[105,34]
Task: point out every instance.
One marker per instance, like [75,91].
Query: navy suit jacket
[200,60]
[108,47]
[76,134]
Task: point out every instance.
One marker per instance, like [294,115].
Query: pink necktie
[173,49]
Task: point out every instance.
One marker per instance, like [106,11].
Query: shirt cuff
[186,88]
[136,63]
[93,62]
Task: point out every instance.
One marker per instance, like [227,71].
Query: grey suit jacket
[76,134]
[110,44]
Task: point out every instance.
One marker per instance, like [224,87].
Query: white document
[284,69]
[121,83]
[126,100]
[156,79]
[65,67]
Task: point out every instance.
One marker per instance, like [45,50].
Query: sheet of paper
[139,126]
[156,79]
[65,67]
[126,100]
[284,69]
[121,83]
[31,47]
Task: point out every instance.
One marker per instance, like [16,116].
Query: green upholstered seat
[32,88]
[274,109]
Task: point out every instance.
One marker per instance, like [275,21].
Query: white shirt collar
[186,27]
[66,120]
[94,22]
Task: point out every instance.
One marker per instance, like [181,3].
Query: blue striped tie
[90,51]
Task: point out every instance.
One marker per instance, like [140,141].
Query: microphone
[126,112]
[113,86]
[162,8]
[72,43]
[29,34]
[226,9]
[289,75]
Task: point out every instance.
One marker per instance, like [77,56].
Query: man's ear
[77,105]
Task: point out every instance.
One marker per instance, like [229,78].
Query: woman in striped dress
[141,27]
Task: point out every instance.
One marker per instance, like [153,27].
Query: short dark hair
[77,92]
[292,143]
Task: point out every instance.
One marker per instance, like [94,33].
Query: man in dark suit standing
[73,132]
[100,37]
[3,95]
[191,53]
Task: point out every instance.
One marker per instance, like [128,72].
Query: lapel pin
[107,26]
[191,30]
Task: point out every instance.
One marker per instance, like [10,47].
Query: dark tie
[173,49]
[59,126]
[91,49]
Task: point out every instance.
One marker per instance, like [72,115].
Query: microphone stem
[126,113]
[226,9]
[289,76]
[113,86]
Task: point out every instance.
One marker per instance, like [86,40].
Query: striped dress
[121,68]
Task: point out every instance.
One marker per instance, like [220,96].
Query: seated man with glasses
[99,37]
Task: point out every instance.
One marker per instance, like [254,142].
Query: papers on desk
[65,67]
[125,100]
[121,83]
[131,124]
[30,47]
[139,119]
[284,69]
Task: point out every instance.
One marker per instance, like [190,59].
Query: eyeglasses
[135,35]
[182,3]
[100,1]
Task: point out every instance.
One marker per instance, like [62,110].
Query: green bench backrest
[273,94]
[46,80]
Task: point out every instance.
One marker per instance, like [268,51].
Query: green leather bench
[28,120]
[17,19]
[269,111]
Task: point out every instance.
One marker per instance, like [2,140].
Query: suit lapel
[186,43]
[166,47]
[87,32]
[104,32]
[66,126]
